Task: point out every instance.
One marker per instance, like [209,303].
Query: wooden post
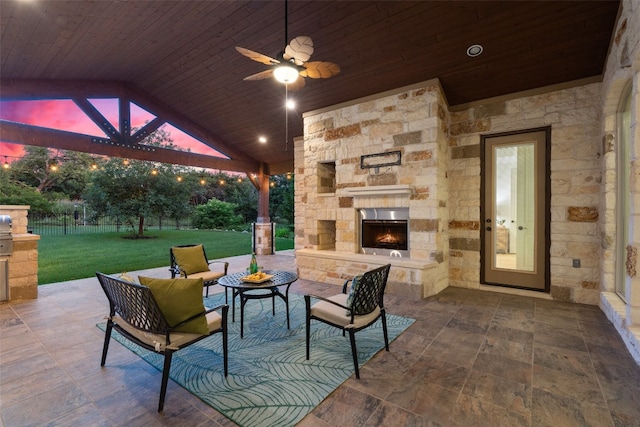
[263,233]
[263,195]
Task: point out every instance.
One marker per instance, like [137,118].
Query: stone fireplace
[353,214]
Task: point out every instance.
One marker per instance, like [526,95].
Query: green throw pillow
[179,299]
[191,259]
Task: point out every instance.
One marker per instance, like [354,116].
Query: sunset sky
[65,115]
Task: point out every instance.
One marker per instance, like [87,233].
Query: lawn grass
[62,258]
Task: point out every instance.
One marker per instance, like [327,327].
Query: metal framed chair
[190,261]
[135,314]
[354,311]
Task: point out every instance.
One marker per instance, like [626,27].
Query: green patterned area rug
[270,382]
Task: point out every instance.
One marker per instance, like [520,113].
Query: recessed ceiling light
[262,139]
[291,104]
[474,50]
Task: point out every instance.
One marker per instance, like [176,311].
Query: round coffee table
[245,290]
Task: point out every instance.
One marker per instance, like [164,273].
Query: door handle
[521,227]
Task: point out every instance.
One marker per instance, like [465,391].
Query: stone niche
[22,264]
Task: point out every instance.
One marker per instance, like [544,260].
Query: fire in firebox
[385,234]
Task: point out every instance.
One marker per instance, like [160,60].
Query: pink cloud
[60,114]
[12,151]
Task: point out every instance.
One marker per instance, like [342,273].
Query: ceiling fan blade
[320,70]
[299,49]
[260,76]
[297,85]
[257,56]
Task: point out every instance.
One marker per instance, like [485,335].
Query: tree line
[135,189]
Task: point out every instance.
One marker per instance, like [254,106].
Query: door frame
[546,245]
[622,282]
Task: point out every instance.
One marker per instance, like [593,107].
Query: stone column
[263,243]
[262,230]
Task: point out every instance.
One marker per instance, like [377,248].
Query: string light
[7,164]
[53,165]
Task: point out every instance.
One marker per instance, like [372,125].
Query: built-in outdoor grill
[6,241]
[384,231]
[6,248]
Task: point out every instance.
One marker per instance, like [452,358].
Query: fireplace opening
[384,231]
[382,234]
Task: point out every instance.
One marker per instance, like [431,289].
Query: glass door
[514,210]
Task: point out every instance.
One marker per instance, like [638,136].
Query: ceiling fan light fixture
[286,73]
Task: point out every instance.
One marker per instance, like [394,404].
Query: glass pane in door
[514,207]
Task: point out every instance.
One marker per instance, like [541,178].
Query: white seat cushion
[337,315]
[178,339]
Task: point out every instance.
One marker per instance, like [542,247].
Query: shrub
[17,193]
[217,214]
[285,231]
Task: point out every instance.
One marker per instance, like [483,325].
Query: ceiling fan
[291,66]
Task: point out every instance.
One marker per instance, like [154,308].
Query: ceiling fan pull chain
[286,117]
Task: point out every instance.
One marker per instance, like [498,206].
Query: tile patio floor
[472,358]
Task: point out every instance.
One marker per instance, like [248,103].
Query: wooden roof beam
[51,138]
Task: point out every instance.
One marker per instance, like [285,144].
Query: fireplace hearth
[384,231]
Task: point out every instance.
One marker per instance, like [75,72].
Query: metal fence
[76,222]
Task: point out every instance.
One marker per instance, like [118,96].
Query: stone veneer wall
[23,262]
[412,121]
[622,71]
[574,117]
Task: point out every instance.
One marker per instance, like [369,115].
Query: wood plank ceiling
[181,55]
